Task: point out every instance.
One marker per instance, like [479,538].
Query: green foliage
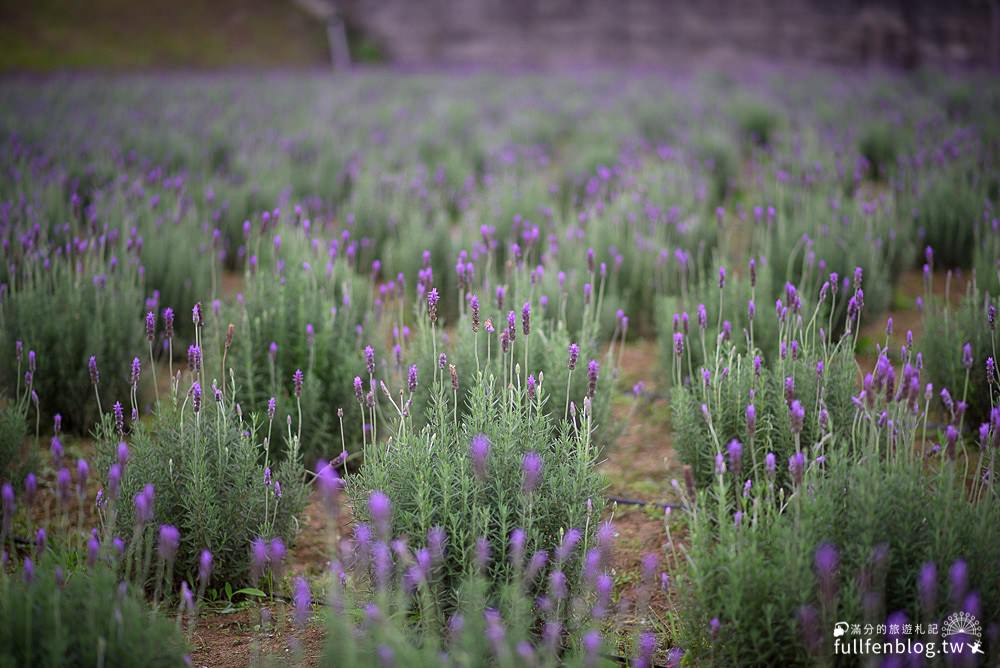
[947,215]
[735,384]
[66,315]
[83,618]
[947,329]
[280,309]
[757,122]
[14,461]
[886,519]
[880,144]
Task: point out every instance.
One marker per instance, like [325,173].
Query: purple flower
[958,576]
[567,545]
[168,323]
[796,415]
[30,488]
[56,448]
[796,467]
[370,360]
[479,450]
[592,371]
[302,601]
[574,355]
[62,484]
[702,317]
[827,564]
[196,397]
[751,417]
[170,540]
[82,473]
[380,509]
[531,471]
[277,552]
[517,538]
[411,378]
[432,303]
[150,326]
[136,370]
[482,553]
[927,588]
[204,566]
[474,305]
[297,379]
[258,558]
[967,355]
[526,318]
[532,385]
[535,565]
[95,375]
[735,449]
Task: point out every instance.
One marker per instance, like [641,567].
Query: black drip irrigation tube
[639,502]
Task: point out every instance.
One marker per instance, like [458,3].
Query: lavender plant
[212,466]
[959,352]
[506,464]
[89,298]
[393,602]
[862,539]
[303,318]
[50,616]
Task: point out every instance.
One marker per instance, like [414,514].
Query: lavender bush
[211,465]
[70,314]
[503,466]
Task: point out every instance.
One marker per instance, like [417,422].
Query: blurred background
[47,35]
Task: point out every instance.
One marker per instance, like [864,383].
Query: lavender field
[466,369]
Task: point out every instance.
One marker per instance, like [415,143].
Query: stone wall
[561,33]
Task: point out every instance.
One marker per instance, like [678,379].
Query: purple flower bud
[770,464]
[592,371]
[958,576]
[735,451]
[277,552]
[526,318]
[170,540]
[568,544]
[168,323]
[479,450]
[302,602]
[150,326]
[796,414]
[751,417]
[258,558]
[95,376]
[380,509]
[827,563]
[967,355]
[30,488]
[297,379]
[535,565]
[432,303]
[531,470]
[796,467]
[482,553]
[474,305]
